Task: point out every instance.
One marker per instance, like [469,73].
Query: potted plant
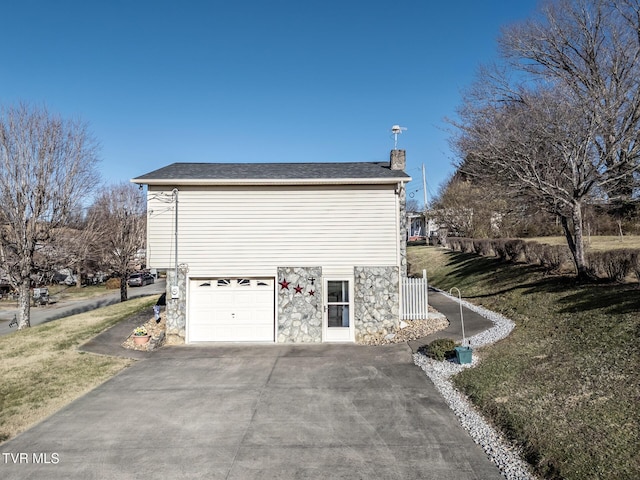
[140,336]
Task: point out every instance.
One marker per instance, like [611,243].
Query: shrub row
[615,264]
[612,264]
[552,257]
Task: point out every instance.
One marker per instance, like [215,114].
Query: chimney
[398,160]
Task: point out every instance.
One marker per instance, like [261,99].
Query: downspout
[399,190]
[175,292]
[399,220]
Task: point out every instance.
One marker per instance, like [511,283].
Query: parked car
[140,279]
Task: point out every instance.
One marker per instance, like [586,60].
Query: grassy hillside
[565,384]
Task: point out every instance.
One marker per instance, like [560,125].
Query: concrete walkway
[474,323]
[110,341]
[245,411]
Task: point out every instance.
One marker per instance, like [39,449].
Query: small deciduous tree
[468,209]
[118,222]
[47,168]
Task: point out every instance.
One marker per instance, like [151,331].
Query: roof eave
[262,181]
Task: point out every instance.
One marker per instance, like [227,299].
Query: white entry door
[231,310]
[338,311]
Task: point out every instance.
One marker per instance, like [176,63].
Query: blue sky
[253,81]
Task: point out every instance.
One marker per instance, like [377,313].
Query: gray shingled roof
[273,171]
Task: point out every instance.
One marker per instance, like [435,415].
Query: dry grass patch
[42,370]
[594,243]
[64,293]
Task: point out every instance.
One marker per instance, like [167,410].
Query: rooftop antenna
[396,130]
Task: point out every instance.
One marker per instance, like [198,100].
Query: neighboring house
[64,276]
[416,228]
[299,252]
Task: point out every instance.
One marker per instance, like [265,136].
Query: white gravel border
[498,449]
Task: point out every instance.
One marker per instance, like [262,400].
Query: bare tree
[413,205]
[569,130]
[592,48]
[72,247]
[538,145]
[118,221]
[47,167]
[468,207]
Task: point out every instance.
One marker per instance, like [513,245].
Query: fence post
[415,298]
[426,293]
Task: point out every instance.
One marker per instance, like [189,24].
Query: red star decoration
[298,289]
[284,285]
[312,293]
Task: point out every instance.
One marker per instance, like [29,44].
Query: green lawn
[564,384]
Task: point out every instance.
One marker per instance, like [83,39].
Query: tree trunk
[575,239]
[620,229]
[123,288]
[24,304]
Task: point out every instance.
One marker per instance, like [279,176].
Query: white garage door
[231,310]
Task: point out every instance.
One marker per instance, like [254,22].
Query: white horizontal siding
[252,230]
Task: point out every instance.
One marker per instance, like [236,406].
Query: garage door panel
[241,318]
[238,310]
[236,333]
[244,297]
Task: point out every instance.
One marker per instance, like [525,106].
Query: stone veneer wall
[402,201]
[299,304]
[176,310]
[376,300]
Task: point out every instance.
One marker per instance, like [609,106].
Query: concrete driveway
[255,411]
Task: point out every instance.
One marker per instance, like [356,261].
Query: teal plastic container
[463,354]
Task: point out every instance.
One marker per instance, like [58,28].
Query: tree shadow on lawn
[612,298]
[499,272]
[466,264]
[576,296]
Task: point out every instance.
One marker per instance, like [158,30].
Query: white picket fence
[415,298]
